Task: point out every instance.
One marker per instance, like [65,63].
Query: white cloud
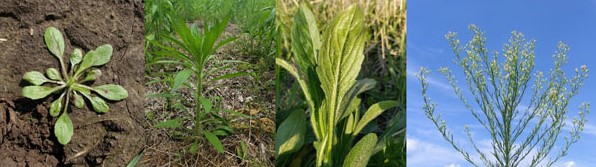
[424,153]
[569,164]
[453,165]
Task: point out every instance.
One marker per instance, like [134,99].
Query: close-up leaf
[54,41]
[98,104]
[38,92]
[180,78]
[361,152]
[56,106]
[103,54]
[76,57]
[79,102]
[111,91]
[214,141]
[63,129]
[34,77]
[53,74]
[290,134]
[372,112]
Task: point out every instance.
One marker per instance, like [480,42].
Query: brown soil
[26,129]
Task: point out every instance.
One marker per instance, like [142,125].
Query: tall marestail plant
[327,73]
[524,130]
[193,49]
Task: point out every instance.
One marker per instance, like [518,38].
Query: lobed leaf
[111,91]
[34,77]
[63,129]
[54,41]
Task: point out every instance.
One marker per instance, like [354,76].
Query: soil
[26,128]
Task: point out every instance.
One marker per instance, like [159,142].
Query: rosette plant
[69,83]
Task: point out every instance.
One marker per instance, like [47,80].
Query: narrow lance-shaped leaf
[55,42]
[180,78]
[372,112]
[63,129]
[214,141]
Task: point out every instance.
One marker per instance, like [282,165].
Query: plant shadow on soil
[26,128]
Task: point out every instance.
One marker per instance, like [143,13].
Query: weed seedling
[70,85]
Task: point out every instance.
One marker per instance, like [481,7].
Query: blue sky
[546,21]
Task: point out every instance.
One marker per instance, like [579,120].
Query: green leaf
[34,77]
[305,39]
[361,152]
[75,57]
[372,112]
[63,129]
[193,148]
[103,54]
[53,74]
[341,57]
[38,92]
[135,160]
[88,61]
[56,106]
[98,104]
[79,102]
[171,123]
[92,75]
[207,106]
[111,91]
[54,41]
[290,133]
[180,78]
[214,141]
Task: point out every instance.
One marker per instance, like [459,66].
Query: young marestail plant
[524,124]
[326,72]
[69,84]
[193,50]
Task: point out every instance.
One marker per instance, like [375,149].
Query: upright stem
[198,95]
